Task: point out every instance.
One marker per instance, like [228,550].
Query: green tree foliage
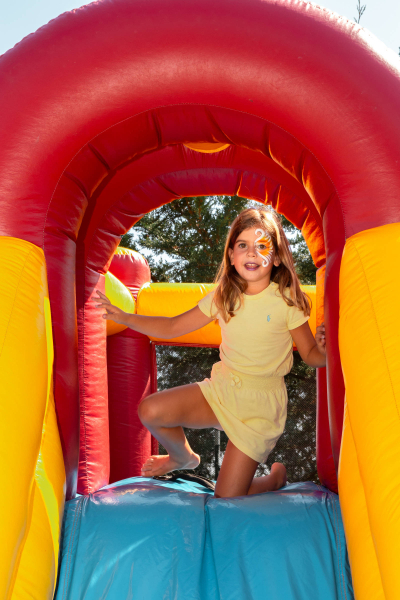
[183,242]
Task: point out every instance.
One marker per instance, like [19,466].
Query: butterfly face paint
[264,246]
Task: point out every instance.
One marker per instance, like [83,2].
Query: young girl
[261,310]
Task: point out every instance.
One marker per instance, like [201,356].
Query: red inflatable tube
[94,429]
[121,206]
[130,368]
[123,202]
[129,360]
[157,178]
[154,388]
[335,384]
[132,269]
[325,461]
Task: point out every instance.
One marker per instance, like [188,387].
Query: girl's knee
[148,410]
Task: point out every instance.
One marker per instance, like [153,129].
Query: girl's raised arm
[161,327]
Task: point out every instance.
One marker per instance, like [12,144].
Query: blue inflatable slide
[160,540]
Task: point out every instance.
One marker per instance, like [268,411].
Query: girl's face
[253,255]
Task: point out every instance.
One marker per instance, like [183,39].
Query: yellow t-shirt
[257,340]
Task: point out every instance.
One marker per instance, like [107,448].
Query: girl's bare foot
[159,465]
[269,483]
[279,472]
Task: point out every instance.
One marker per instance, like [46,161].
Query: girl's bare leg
[164,414]
[269,483]
[236,473]
[236,477]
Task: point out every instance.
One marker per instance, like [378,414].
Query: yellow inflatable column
[365,572]
[32,468]
[369,474]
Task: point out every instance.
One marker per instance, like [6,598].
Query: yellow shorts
[251,410]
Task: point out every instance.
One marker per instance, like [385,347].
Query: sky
[18,18]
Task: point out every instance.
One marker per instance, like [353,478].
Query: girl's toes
[146,468]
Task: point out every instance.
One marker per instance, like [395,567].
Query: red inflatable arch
[112,91]
[175,171]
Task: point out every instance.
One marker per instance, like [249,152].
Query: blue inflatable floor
[154,540]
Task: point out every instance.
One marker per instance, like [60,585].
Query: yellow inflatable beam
[32,499]
[369,470]
[171,299]
[120,296]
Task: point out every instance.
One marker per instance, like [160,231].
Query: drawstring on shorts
[253,382]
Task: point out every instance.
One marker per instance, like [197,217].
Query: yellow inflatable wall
[369,472]
[171,299]
[32,498]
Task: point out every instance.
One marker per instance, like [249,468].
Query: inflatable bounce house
[107,113]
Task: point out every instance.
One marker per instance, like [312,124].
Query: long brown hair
[231,286]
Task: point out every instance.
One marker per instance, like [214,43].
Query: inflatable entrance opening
[117,108]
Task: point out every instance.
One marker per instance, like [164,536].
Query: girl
[261,310]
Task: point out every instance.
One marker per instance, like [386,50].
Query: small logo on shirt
[269,318]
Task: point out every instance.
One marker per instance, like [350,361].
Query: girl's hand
[320,338]
[113,313]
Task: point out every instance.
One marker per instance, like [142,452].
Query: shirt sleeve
[205,305]
[295,317]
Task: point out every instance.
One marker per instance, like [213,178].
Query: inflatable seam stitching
[83,382]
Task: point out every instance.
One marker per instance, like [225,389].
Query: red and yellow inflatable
[116,108]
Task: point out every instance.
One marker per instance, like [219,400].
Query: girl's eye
[242,245]
[261,246]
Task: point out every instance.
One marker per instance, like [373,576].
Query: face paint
[265,253]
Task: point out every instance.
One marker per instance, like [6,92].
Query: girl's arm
[160,327]
[312,351]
